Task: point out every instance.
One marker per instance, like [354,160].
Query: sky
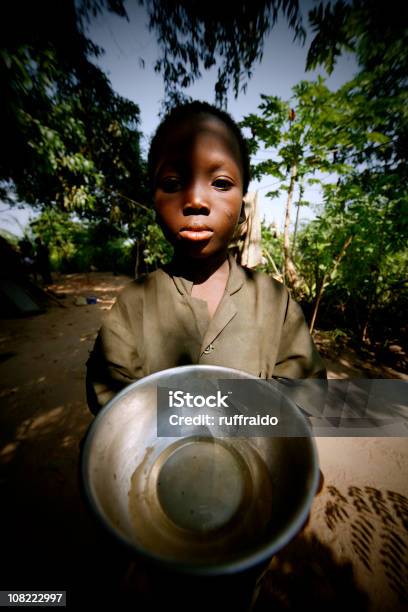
[282,66]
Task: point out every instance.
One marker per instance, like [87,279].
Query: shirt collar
[235,281]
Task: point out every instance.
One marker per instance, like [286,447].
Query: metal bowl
[199,504]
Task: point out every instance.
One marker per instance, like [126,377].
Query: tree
[360,225]
[68,140]
[377,32]
[204,34]
[299,136]
[377,127]
[350,252]
[272,250]
[323,244]
[76,246]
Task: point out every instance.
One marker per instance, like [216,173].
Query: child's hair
[185,111]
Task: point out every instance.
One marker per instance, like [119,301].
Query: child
[202,308]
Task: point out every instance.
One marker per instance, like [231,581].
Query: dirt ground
[353,553]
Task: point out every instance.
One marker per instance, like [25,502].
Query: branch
[271,261]
[341,255]
[116,193]
[324,282]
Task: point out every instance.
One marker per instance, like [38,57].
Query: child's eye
[170,184]
[222,184]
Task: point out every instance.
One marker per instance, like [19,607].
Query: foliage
[69,141]
[369,279]
[158,250]
[377,33]
[301,130]
[299,136]
[355,26]
[371,287]
[77,246]
[346,144]
[272,251]
[196,35]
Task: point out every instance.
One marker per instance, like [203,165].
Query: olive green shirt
[156,324]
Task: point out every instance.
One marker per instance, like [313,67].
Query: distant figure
[27,258]
[42,257]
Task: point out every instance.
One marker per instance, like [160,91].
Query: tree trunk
[136,248]
[317,303]
[373,297]
[364,336]
[326,278]
[270,258]
[289,269]
[297,220]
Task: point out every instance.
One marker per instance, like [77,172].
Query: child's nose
[195,200]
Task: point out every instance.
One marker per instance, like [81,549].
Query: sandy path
[353,555]
[48,538]
[354,551]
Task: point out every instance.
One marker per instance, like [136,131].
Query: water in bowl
[201,499]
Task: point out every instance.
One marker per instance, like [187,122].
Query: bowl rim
[244,562]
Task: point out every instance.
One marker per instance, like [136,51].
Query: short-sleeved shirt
[156,324]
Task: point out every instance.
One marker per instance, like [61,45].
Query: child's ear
[242,215]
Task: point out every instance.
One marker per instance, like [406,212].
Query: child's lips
[196,232]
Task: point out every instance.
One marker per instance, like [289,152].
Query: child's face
[198,186]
